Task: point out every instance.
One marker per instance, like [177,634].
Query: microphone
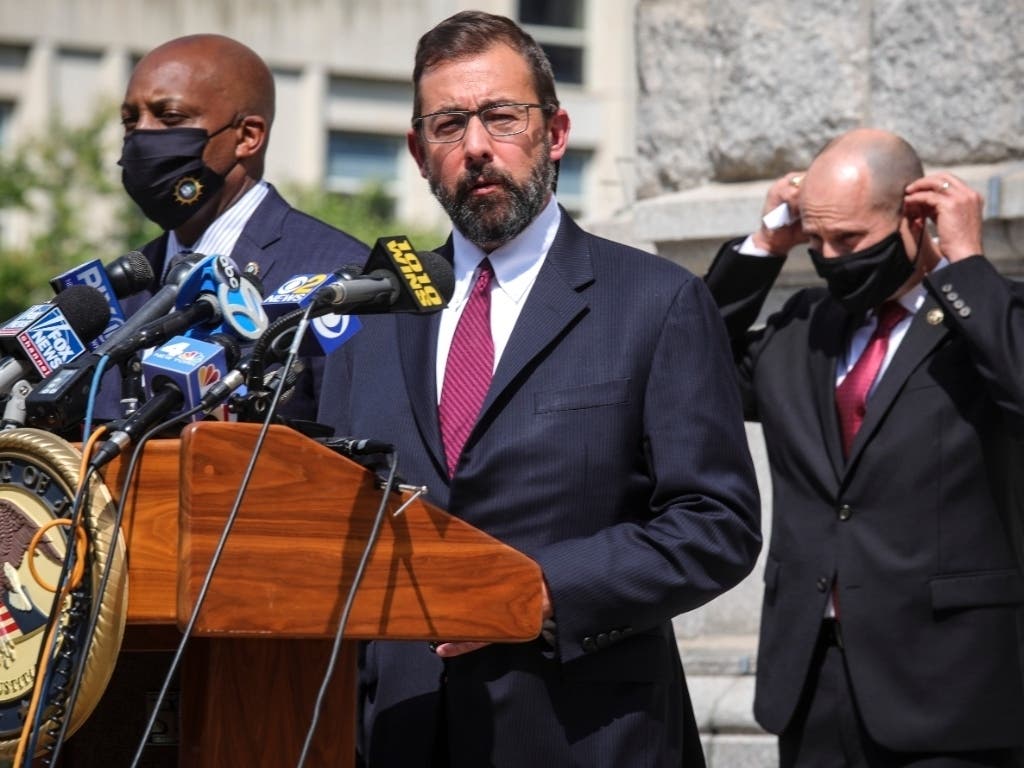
[327,332]
[125,276]
[239,297]
[45,337]
[396,278]
[59,401]
[352,446]
[179,373]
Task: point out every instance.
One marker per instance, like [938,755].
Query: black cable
[228,525]
[349,600]
[136,455]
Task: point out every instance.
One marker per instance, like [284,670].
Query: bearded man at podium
[577,401]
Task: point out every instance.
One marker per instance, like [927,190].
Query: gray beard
[491,223]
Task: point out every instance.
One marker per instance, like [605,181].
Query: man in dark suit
[891,632]
[197,115]
[608,445]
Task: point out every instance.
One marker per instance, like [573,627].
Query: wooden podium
[260,646]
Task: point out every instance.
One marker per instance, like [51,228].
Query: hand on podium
[449,650]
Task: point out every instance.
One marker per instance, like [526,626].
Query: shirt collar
[516,263]
[914,299]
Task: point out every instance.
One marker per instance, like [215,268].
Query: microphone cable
[129,475]
[339,634]
[222,542]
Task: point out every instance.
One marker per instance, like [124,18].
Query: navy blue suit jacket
[611,449]
[283,242]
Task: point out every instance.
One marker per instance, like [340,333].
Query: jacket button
[946,287]
[602,640]
[964,312]
[614,636]
[845,512]
[822,584]
[589,645]
[953,296]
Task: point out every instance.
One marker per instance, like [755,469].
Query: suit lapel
[263,229]
[553,303]
[830,326]
[921,338]
[417,350]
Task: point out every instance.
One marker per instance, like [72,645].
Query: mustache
[475,177]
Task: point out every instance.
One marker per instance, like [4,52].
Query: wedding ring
[795,180]
[945,186]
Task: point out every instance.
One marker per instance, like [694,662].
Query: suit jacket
[283,242]
[920,525]
[610,448]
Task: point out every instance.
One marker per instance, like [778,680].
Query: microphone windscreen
[130,274]
[440,272]
[85,309]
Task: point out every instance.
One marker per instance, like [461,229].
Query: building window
[567,13]
[13,58]
[572,178]
[358,160]
[559,28]
[6,117]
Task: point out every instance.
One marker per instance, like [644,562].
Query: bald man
[892,404]
[197,115]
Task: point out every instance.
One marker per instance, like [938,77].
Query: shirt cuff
[748,248]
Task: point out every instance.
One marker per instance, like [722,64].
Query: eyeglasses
[499,120]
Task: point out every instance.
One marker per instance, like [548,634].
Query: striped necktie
[467,373]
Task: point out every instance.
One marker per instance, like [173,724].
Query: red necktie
[852,394]
[467,374]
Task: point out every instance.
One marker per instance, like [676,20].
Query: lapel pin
[934,316]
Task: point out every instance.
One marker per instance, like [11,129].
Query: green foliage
[366,215]
[65,180]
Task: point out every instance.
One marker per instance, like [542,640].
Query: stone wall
[733,90]
[733,94]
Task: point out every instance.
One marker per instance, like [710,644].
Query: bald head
[215,70]
[875,164]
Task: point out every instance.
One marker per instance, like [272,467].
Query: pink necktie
[467,374]
[852,394]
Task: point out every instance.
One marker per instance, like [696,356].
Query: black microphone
[129,274]
[396,278]
[47,336]
[60,400]
[354,446]
[123,343]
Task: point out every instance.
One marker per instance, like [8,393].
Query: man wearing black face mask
[197,114]
[892,404]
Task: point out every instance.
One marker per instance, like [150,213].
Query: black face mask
[163,172]
[864,279]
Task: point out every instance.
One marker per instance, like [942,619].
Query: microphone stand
[132,390]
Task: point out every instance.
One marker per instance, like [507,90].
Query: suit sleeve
[740,285]
[700,534]
[987,310]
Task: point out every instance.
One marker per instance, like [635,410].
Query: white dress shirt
[515,264]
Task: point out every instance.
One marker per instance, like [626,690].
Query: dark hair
[469,33]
